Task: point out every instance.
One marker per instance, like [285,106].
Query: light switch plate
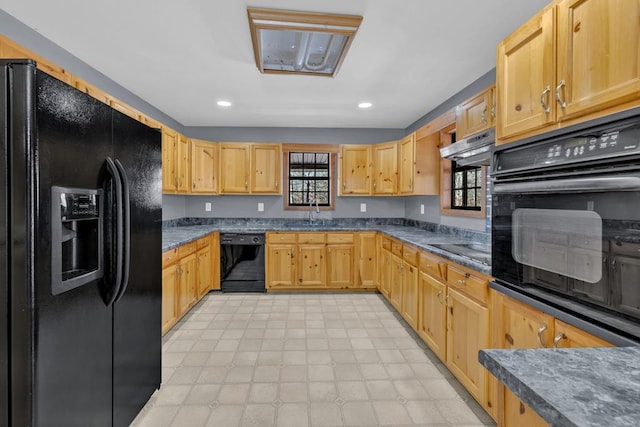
[421,209]
[363,207]
[207,207]
[261,207]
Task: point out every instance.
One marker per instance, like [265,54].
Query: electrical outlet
[363,207]
[421,209]
[207,207]
[260,207]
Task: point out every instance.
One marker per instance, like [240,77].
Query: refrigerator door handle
[112,170]
[125,207]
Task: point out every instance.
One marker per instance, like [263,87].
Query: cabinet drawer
[471,285]
[410,254]
[311,237]
[169,257]
[396,248]
[281,237]
[339,237]
[386,243]
[187,249]
[433,265]
[203,242]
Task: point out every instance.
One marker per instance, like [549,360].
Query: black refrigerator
[80,256]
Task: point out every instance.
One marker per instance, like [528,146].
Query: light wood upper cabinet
[475,114]
[10,49]
[183,166]
[169,160]
[419,169]
[385,168]
[234,168]
[204,167]
[574,61]
[598,55]
[355,169]
[266,168]
[525,77]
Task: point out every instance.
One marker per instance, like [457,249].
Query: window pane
[309,178]
[479,197]
[458,197]
[471,198]
[471,178]
[459,180]
[323,186]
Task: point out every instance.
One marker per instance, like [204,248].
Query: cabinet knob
[460,282]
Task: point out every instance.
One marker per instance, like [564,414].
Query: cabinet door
[312,265]
[525,77]
[204,167]
[204,271]
[169,297]
[355,162]
[385,168]
[183,164]
[340,266]
[432,319]
[467,333]
[280,266]
[367,265]
[518,325]
[598,55]
[410,294]
[386,270]
[266,168]
[395,283]
[474,115]
[426,176]
[234,168]
[169,160]
[407,167]
[188,272]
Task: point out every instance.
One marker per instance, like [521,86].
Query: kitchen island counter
[573,386]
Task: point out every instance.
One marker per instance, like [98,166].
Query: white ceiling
[182,56]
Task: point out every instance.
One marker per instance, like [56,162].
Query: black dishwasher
[242,262]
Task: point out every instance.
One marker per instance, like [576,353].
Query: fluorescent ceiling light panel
[365,105]
[224,103]
[288,42]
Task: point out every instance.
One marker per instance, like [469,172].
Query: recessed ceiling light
[365,105]
[224,103]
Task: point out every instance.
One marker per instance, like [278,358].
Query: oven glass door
[574,237]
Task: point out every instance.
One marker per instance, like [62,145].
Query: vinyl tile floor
[298,360]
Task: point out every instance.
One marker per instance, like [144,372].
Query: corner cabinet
[574,61]
[355,170]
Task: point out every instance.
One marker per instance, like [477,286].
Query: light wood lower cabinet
[188,273]
[432,319]
[317,260]
[518,325]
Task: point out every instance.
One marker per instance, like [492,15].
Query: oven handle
[618,183]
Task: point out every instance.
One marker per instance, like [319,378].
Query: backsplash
[344,222]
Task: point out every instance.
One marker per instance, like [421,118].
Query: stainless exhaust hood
[474,150]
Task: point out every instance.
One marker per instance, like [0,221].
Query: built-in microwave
[566,222]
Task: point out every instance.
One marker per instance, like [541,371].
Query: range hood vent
[474,150]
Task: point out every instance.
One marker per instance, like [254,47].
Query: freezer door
[73,361]
[137,313]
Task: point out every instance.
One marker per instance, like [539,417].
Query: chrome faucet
[311,218]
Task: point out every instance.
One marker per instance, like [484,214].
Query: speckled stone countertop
[178,235]
[573,386]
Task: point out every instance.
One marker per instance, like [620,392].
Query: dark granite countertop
[573,386]
[179,235]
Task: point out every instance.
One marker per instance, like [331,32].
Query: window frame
[446,138]
[310,148]
[455,168]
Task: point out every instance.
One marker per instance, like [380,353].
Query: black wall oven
[566,223]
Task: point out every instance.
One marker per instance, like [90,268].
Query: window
[466,187]
[309,171]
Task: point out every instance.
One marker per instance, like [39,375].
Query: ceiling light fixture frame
[304,23]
